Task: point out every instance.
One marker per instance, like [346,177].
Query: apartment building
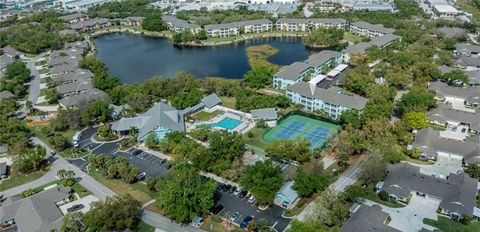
[303,25]
[369,30]
[332,101]
[178,25]
[313,66]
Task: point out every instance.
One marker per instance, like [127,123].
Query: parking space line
[274,224]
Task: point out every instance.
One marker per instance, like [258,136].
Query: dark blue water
[134,58]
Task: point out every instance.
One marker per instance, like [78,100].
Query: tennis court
[301,127]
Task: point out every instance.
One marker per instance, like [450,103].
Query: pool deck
[245,118]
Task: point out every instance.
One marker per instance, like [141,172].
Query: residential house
[361,48]
[286,197]
[74,88]
[223,30]
[367,218]
[461,98]
[445,115]
[6,94]
[91,24]
[79,75]
[315,65]
[268,115]
[452,32]
[467,50]
[160,119]
[431,144]
[63,68]
[332,101]
[373,6]
[473,75]
[37,213]
[74,18]
[256,26]
[178,25]
[456,194]
[82,99]
[3,170]
[369,30]
[467,62]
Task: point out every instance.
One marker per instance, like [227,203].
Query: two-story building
[178,25]
[256,26]
[332,101]
[362,28]
[303,25]
[316,64]
[223,30]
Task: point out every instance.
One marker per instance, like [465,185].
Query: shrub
[383,196]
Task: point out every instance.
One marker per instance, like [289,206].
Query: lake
[134,58]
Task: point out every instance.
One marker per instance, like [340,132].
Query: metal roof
[264,114]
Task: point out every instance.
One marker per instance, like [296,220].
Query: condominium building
[332,101]
[178,25]
[257,26]
[302,25]
[313,66]
[223,30]
[370,30]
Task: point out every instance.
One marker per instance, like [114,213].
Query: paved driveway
[85,201]
[443,166]
[410,218]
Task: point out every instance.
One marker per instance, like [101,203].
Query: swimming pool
[227,123]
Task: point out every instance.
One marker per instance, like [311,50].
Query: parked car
[237,191]
[141,175]
[234,216]
[76,207]
[136,152]
[251,199]
[242,194]
[248,195]
[245,222]
[163,161]
[227,188]
[217,209]
[168,166]
[232,189]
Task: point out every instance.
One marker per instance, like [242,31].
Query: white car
[251,199]
[141,175]
[237,191]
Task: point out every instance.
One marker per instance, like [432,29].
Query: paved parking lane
[234,204]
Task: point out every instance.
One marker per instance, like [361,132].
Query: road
[96,188]
[349,177]
[34,91]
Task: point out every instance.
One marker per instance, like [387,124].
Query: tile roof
[444,113]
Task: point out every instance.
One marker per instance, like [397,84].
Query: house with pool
[317,64]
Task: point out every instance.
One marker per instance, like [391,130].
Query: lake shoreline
[169,36]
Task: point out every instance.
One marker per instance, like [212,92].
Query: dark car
[242,194]
[163,161]
[168,166]
[245,222]
[232,189]
[217,209]
[76,207]
[136,152]
[227,188]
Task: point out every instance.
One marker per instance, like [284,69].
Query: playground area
[302,127]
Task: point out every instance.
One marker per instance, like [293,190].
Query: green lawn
[204,116]
[77,188]
[143,227]
[17,178]
[256,140]
[352,38]
[228,102]
[447,225]
[222,39]
[122,188]
[371,195]
[37,130]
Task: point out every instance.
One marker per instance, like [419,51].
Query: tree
[30,160]
[67,177]
[262,226]
[185,99]
[330,208]
[151,141]
[324,36]
[224,147]
[100,110]
[202,35]
[354,191]
[416,120]
[307,183]
[383,196]
[185,195]
[456,76]
[299,226]
[52,95]
[59,142]
[416,100]
[116,213]
[263,180]
[259,77]
[298,150]
[177,38]
[473,171]
[153,22]
[352,117]
[374,169]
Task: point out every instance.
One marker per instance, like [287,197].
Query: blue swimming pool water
[227,123]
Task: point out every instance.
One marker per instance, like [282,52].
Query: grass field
[77,188]
[122,188]
[204,116]
[311,123]
[352,38]
[37,130]
[256,139]
[228,102]
[17,178]
[447,225]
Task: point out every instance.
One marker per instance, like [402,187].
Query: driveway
[410,218]
[85,201]
[443,166]
[34,91]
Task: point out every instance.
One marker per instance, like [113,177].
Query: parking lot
[155,166]
[233,203]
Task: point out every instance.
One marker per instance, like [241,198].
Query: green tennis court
[301,127]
